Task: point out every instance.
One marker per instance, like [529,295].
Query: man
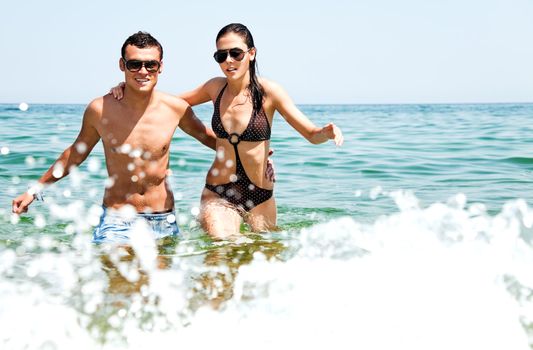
[136,133]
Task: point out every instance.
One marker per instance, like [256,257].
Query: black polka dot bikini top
[258,128]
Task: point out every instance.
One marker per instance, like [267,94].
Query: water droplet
[114,321]
[220,154]
[69,229]
[125,148]
[23,106]
[46,242]
[58,170]
[94,214]
[40,221]
[109,182]
[14,219]
[4,150]
[171,218]
[35,188]
[30,161]
[136,153]
[81,147]
[122,313]
[94,165]
[375,192]
[183,219]
[195,211]
[54,139]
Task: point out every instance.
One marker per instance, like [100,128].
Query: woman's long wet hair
[256,90]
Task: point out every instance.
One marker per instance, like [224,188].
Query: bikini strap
[239,168]
[219,97]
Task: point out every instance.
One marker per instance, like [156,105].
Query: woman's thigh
[263,217]
[218,218]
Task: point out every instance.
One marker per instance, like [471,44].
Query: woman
[244,107]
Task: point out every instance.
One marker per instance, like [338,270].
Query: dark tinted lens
[134,65]
[237,54]
[151,66]
[220,56]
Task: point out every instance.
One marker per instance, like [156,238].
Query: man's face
[141,67]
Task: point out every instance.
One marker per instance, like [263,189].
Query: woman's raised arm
[286,107]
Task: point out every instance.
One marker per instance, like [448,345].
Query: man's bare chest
[147,135]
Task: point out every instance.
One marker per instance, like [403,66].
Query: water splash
[446,276]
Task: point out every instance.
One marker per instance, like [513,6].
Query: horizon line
[312,104]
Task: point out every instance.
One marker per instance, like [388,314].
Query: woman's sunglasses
[235,53]
[136,65]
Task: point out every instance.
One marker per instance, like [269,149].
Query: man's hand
[270,172]
[21,203]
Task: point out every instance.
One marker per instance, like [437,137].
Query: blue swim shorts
[116,227]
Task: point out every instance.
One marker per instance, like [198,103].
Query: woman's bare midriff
[253,157]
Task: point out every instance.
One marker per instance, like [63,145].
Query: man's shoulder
[95,107]
[99,102]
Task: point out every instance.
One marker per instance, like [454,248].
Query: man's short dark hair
[142,40]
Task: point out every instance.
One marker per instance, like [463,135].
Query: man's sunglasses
[136,65]
[235,53]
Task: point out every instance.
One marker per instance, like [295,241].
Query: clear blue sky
[344,51]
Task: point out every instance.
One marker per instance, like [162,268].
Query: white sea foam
[448,276]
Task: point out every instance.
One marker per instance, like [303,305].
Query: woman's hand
[118,91]
[332,132]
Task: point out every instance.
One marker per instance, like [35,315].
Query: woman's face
[231,67]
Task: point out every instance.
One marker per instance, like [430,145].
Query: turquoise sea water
[425,207]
